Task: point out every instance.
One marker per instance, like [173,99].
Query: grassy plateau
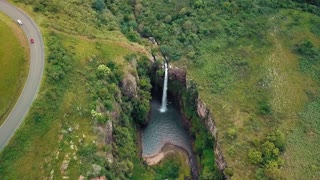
[256,66]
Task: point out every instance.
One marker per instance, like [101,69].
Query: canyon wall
[179,75]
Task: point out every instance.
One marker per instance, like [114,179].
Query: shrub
[232,133]
[59,59]
[102,71]
[99,117]
[269,151]
[169,169]
[272,172]
[130,57]
[87,151]
[231,151]
[278,139]
[268,156]
[255,156]
[264,107]
[228,171]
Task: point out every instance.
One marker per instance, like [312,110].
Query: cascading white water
[165,87]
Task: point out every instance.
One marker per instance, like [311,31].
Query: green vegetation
[13,63]
[61,136]
[267,156]
[254,63]
[203,141]
[174,166]
[142,105]
[74,144]
[309,61]
[302,141]
[241,56]
[38,124]
[169,168]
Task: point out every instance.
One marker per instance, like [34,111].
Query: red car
[32,40]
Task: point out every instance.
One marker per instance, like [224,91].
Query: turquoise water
[164,127]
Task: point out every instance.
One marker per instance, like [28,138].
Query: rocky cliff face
[177,74]
[129,86]
[203,112]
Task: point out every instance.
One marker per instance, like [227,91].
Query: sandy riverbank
[166,150]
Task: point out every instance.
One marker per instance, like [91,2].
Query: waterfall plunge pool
[165,132]
[164,128]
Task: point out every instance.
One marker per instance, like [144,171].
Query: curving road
[31,87]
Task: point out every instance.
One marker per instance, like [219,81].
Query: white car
[19,22]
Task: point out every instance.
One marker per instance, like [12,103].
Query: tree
[280,141]
[187,25]
[198,3]
[102,71]
[269,150]
[168,19]
[166,50]
[99,5]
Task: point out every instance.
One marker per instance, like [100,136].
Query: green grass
[243,62]
[241,56]
[59,127]
[13,63]
[303,160]
[74,18]
[270,73]
[44,139]
[301,157]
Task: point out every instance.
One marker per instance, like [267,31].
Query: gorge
[169,130]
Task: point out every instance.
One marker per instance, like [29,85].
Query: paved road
[31,88]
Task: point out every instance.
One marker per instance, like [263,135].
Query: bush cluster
[309,61]
[266,155]
[141,106]
[59,59]
[133,113]
[103,82]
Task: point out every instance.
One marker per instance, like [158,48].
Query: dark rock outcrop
[129,86]
[177,74]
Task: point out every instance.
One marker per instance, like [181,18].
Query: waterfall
[165,87]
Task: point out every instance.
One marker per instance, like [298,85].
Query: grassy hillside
[65,134]
[13,62]
[248,60]
[270,93]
